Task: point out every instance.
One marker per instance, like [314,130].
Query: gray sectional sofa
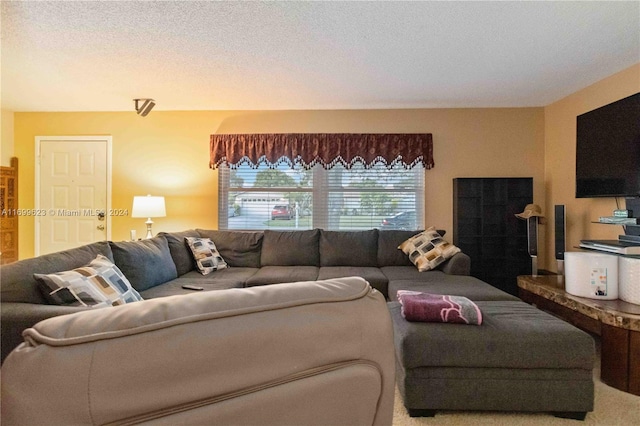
[520,359]
[162,265]
[311,353]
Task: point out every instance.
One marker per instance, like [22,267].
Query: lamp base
[149,222]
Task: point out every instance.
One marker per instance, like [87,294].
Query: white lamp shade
[148,206]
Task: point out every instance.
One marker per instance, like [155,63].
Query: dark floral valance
[326,149]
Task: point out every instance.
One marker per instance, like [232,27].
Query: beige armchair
[310,353]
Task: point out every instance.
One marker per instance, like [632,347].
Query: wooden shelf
[616,322]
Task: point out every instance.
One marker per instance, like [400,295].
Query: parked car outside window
[404,221]
[281,212]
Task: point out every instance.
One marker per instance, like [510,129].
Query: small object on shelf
[611,246]
[622,213]
[618,220]
[631,239]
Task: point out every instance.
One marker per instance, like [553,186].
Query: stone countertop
[617,313]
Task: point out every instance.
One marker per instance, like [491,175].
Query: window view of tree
[272,178]
[235,180]
[338,198]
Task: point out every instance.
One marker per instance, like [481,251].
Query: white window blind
[357,198]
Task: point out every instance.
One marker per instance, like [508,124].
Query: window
[264,198]
[321,180]
[340,198]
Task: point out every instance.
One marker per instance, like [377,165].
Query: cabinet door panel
[486,229]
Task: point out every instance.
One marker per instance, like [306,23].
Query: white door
[73,185]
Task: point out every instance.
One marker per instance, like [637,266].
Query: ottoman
[519,359]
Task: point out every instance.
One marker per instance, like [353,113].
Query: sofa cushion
[428,249]
[205,254]
[373,275]
[18,283]
[394,273]
[438,282]
[98,284]
[179,250]
[458,264]
[283,274]
[146,263]
[221,279]
[237,248]
[348,248]
[388,252]
[290,248]
[512,335]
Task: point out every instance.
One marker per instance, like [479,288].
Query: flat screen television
[608,150]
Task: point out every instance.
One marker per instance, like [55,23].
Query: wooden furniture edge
[620,346]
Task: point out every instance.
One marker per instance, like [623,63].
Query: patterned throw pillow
[206,255]
[99,284]
[427,249]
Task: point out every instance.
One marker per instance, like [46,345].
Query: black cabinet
[485,228]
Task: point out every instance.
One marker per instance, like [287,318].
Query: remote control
[192,287]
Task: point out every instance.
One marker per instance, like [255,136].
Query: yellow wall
[166,153]
[6,137]
[560,148]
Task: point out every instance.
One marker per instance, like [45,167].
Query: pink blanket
[425,307]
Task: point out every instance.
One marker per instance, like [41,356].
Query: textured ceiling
[98,56]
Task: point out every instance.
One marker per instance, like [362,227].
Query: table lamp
[148,206]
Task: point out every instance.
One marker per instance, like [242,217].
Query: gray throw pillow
[146,263]
[237,248]
[180,252]
[388,252]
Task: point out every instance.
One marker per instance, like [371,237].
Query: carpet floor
[612,408]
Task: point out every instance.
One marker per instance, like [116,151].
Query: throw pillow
[179,250]
[206,254]
[146,263]
[428,249]
[17,280]
[99,284]
[241,249]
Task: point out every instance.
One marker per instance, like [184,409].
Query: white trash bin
[629,279]
[592,275]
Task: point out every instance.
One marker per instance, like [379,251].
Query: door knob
[100,215]
[100,227]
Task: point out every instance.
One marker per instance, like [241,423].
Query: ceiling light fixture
[147,106]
